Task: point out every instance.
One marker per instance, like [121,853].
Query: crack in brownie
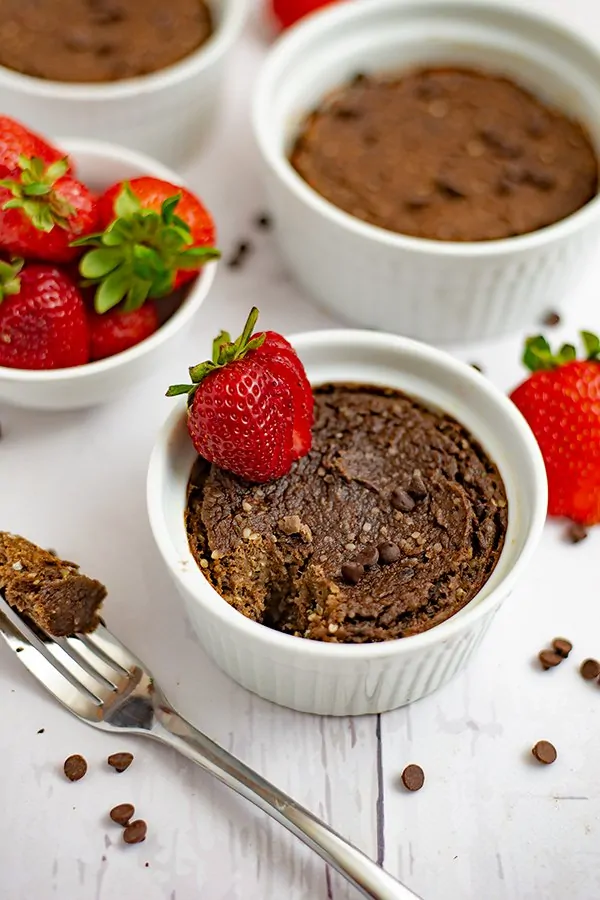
[50,591]
[390,525]
[446,154]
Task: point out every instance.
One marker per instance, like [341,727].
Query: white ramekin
[338,679]
[167,113]
[433,290]
[99,165]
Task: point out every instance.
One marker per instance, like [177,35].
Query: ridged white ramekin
[166,113]
[338,679]
[99,165]
[433,290]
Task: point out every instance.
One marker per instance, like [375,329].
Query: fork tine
[37,656]
[106,645]
[96,667]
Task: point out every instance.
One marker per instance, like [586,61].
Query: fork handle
[366,876]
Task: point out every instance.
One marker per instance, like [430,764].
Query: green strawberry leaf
[10,283]
[176,390]
[112,290]
[98,263]
[34,193]
[591,344]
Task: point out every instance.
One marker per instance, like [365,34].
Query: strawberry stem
[139,254]
[538,355]
[10,283]
[34,193]
[225,351]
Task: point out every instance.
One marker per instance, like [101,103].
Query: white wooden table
[490,824]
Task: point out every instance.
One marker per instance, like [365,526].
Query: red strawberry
[17,141]
[116,331]
[155,237]
[283,360]
[42,318]
[288,12]
[561,402]
[43,210]
[243,406]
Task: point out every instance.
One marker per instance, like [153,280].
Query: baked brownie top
[99,40]
[388,478]
[447,154]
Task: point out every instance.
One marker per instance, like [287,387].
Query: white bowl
[433,290]
[100,165]
[344,679]
[166,113]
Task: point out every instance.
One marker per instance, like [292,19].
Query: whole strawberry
[43,210]
[561,402]
[117,331]
[17,141]
[288,12]
[244,404]
[42,318]
[155,236]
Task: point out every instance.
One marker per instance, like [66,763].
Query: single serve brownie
[99,40]
[391,524]
[448,154]
[50,591]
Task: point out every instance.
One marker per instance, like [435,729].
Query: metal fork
[102,683]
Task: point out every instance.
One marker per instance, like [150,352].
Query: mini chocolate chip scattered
[388,553]
[498,142]
[239,255]
[41,730]
[544,752]
[413,778]
[417,202]
[477,367]
[549,659]
[450,188]
[352,572]
[401,499]
[576,533]
[135,832]
[551,319]
[122,813]
[263,221]
[347,112]
[359,78]
[120,761]
[368,557]
[590,669]
[562,646]
[75,767]
[19,649]
[540,179]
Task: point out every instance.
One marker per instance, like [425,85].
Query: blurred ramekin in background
[166,113]
[433,290]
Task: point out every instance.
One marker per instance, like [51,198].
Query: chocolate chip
[402,500]
[347,112]
[122,813]
[551,319]
[368,557]
[120,761]
[239,254]
[388,553]
[500,143]
[544,752]
[41,730]
[417,487]
[545,181]
[590,669]
[413,778]
[576,533]
[450,188]
[417,202]
[477,367]
[549,659]
[352,572]
[136,832]
[359,78]
[75,767]
[263,221]
[562,646]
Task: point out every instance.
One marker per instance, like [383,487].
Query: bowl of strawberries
[104,259]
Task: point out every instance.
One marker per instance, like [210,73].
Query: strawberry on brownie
[388,520]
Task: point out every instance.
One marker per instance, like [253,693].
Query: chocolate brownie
[391,524]
[448,154]
[99,40]
[51,592]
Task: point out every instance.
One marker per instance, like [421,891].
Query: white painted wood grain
[488,824]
